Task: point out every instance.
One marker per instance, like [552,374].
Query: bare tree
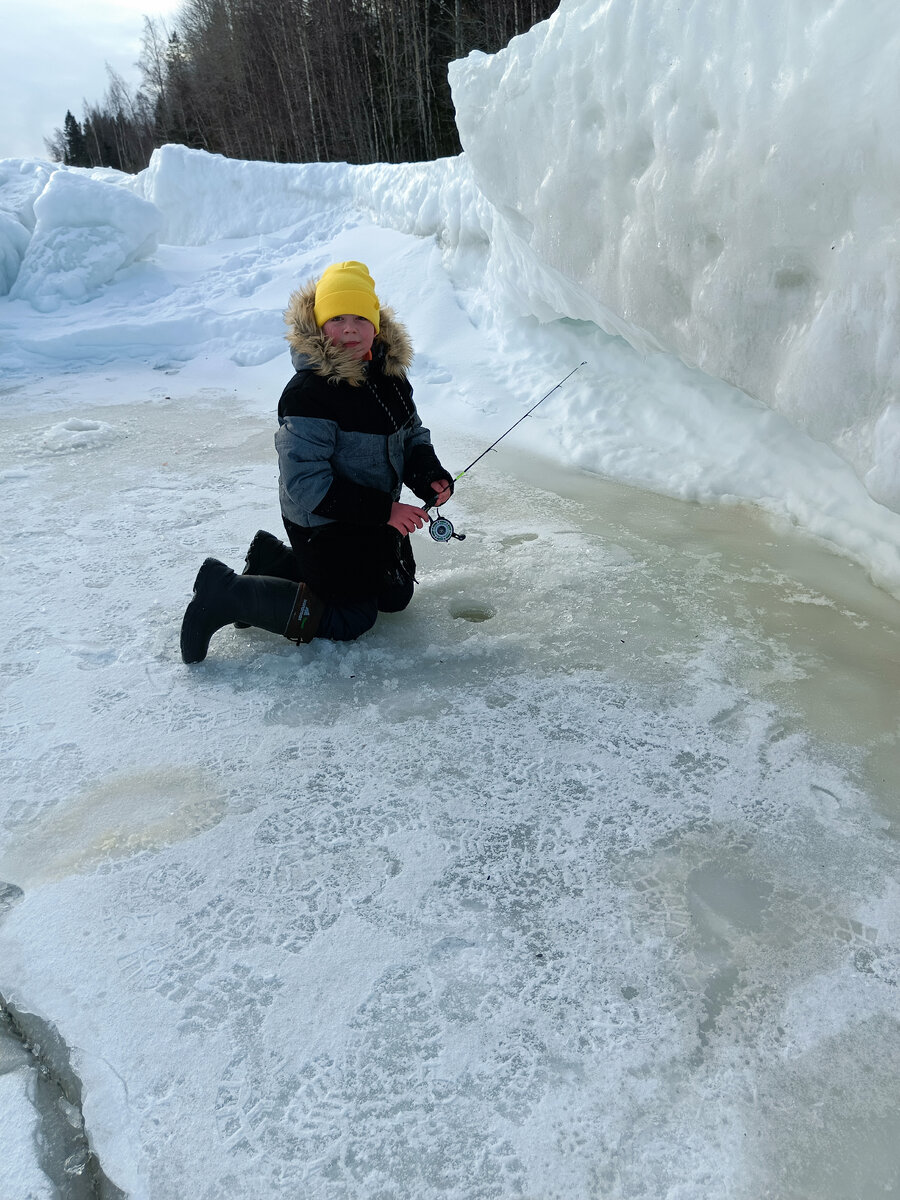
[295,80]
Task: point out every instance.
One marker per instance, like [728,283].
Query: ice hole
[472,612]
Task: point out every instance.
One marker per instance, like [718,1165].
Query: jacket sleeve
[305,448]
[422,466]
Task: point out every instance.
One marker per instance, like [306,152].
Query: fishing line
[439,527]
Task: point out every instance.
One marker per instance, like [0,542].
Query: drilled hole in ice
[472,612]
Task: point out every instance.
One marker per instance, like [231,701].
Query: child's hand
[406,518]
[443,492]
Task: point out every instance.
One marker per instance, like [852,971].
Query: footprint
[517,539]
[89,655]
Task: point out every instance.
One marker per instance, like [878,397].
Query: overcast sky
[54,57]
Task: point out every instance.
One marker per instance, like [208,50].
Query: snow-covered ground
[577,879]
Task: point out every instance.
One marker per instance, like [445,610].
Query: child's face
[355,334]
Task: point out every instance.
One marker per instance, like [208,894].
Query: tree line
[294,81]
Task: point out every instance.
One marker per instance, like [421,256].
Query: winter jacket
[348,432]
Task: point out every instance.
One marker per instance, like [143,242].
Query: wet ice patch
[77,434]
[517,539]
[117,818]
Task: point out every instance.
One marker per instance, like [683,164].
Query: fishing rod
[439,527]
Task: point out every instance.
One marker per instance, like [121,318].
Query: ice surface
[594,893]
[722,178]
[20,1175]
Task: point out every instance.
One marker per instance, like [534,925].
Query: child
[348,438]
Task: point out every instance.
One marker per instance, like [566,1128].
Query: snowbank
[723,178]
[14,241]
[85,231]
[204,197]
[21,182]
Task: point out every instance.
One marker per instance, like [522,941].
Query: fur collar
[311,349]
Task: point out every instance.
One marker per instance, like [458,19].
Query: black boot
[220,596]
[266,555]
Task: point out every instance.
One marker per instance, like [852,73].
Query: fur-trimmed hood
[311,349]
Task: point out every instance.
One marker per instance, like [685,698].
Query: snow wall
[715,180]
[724,177]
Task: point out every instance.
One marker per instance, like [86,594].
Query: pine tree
[75,151]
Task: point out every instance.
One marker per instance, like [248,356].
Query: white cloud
[56,56]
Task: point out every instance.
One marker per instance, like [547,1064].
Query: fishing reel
[441,529]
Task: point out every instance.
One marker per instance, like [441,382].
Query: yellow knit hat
[346,287]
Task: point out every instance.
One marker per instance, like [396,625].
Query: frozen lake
[577,879]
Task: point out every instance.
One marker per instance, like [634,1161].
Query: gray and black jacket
[348,432]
